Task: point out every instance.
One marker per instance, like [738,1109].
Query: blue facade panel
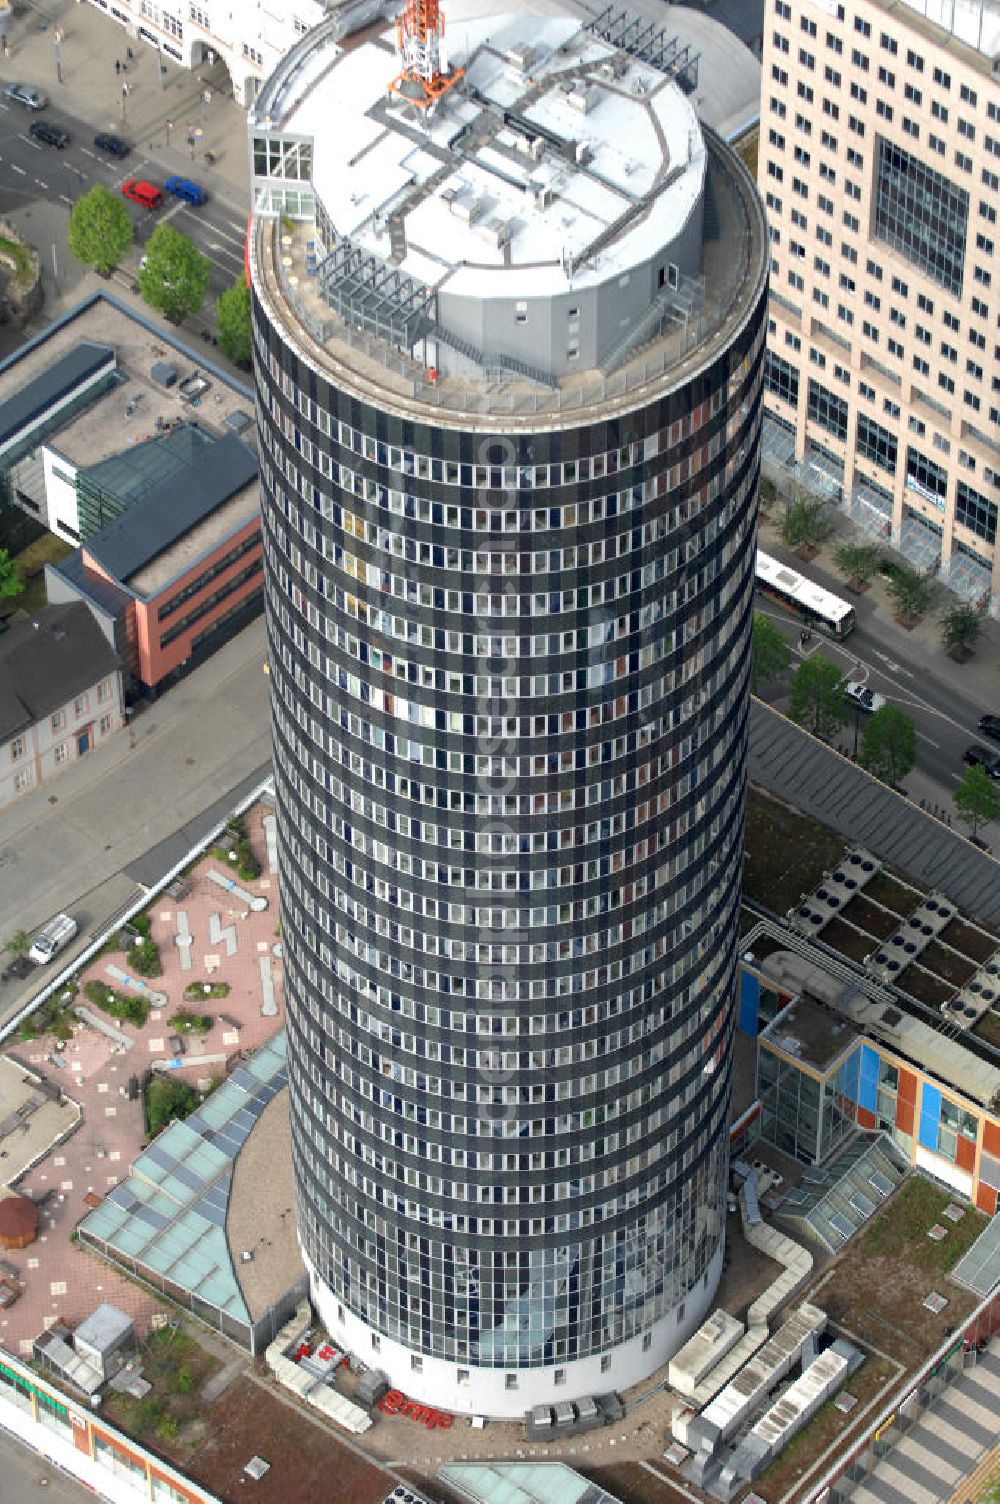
[849,1076]
[868,1082]
[749,1003]
[930,1116]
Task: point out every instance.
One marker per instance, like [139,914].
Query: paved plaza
[61,1279]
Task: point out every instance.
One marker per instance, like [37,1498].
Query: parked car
[977,756]
[860,694]
[141,192]
[190,192]
[989,725]
[52,938]
[52,135]
[114,146]
[32,99]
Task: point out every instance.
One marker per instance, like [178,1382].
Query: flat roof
[807,1031]
[102,428]
[619,158]
[947,1059]
[261,1216]
[169,1214]
[216,485]
[29,401]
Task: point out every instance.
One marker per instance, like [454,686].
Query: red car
[141,192]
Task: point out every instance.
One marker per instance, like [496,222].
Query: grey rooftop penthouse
[560,212]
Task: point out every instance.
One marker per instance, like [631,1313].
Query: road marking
[66,200]
[19,169]
[88,153]
[42,185]
[922,738]
[894,668]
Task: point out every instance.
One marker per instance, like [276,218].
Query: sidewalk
[91,91]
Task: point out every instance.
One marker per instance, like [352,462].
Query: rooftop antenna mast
[425,75]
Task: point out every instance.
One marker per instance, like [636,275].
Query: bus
[817,607]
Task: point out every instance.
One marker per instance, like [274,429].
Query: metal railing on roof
[649,43]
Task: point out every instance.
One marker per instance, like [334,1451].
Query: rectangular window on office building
[781,378]
[877,444]
[829,410]
[976,512]
[921,213]
[926,478]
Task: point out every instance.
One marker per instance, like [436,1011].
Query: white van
[52,938]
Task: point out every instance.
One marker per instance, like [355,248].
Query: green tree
[911,592]
[18,943]
[977,798]
[100,231]
[816,696]
[167,1097]
[232,314]
[961,625]
[10,579]
[807,522]
[770,653]
[859,563]
[175,275]
[889,745]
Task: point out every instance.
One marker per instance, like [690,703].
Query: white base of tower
[485,1391]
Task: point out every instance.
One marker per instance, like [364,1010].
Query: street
[944,702]
[32,171]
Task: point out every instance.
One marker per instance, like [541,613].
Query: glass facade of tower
[510,684]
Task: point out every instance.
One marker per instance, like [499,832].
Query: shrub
[167,1098]
[195,992]
[145,958]
[185,1381]
[132,1010]
[191,1023]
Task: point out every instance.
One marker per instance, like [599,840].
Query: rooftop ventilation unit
[521,58]
[467,209]
[581,98]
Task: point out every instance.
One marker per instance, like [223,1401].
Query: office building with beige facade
[880,165]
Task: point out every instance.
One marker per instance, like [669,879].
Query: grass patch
[122,1005]
[787,853]
[16,254]
[902,1228]
[925,988]
[172,1416]
[988,1028]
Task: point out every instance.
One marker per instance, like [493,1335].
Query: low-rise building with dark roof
[60,696]
[122,441]
[176,567]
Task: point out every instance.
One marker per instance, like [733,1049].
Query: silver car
[32,99]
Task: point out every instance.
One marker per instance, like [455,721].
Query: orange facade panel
[866,1118]
[904,1111]
[965,1153]
[907,1089]
[986,1199]
[991,1138]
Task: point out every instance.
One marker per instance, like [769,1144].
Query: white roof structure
[607,150]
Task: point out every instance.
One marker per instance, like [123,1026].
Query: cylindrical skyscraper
[508,346]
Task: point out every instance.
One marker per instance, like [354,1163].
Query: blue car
[188,191]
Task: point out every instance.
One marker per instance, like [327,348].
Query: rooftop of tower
[558,213]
